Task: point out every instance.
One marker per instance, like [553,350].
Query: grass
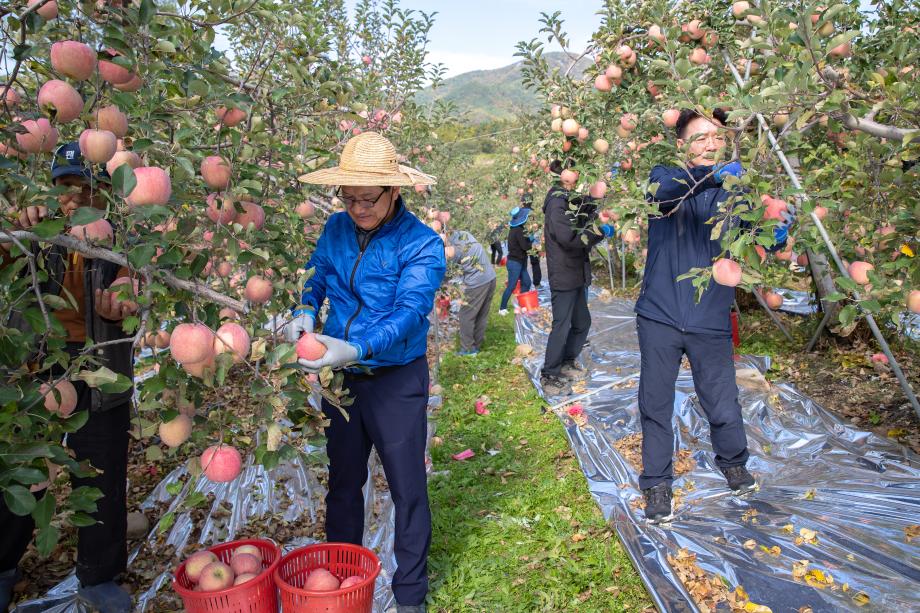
[516,529]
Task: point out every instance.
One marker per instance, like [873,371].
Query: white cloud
[459,62]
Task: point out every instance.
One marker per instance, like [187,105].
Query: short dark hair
[556,166]
[688,115]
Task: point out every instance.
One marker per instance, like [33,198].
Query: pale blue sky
[481,34]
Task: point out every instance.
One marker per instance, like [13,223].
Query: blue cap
[518,216]
[68,162]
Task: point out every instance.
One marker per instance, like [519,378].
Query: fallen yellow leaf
[750,544]
[750,607]
[788,528]
[799,568]
[861,598]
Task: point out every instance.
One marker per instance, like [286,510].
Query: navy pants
[389,413]
[713,366]
[517,271]
[537,273]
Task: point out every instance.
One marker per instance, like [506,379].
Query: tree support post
[794,178]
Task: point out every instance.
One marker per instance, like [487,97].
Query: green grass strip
[515,530]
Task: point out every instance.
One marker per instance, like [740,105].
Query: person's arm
[675,184]
[415,291]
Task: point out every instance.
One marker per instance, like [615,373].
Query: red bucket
[256,596]
[736,336]
[504,261]
[529,300]
[342,560]
[517,289]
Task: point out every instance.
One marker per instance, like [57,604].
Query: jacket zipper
[351,286]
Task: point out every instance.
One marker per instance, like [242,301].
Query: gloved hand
[608,230]
[781,230]
[298,326]
[725,169]
[338,353]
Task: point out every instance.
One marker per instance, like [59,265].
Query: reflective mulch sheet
[290,492]
[834,525]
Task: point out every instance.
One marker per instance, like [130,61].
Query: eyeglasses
[715,138]
[363,202]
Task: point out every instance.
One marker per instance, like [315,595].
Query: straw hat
[369,160]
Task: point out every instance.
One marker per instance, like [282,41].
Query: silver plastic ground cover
[858,491]
[292,489]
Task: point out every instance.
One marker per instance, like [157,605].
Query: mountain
[489,95]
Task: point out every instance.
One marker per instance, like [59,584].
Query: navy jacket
[679,240]
[379,295]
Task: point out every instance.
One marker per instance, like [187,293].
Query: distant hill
[489,95]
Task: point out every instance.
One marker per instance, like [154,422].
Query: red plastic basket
[528,300]
[342,560]
[256,596]
[517,289]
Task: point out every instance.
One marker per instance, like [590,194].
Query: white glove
[297,327]
[338,353]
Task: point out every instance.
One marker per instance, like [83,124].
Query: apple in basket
[350,581]
[251,549]
[321,580]
[245,564]
[244,578]
[216,576]
[196,563]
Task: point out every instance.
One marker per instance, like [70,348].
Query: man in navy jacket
[670,320]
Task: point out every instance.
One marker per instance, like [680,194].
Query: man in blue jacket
[379,268]
[672,323]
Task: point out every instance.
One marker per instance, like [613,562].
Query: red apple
[321,580]
[221,463]
[245,563]
[197,562]
[215,576]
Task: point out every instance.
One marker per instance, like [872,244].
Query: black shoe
[410,608]
[739,479]
[657,502]
[553,385]
[572,371]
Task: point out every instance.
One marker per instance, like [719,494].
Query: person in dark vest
[379,267]
[495,244]
[569,234]
[102,552]
[478,279]
[519,244]
[536,273]
[670,320]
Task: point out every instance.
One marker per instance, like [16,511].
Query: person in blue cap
[102,551]
[519,244]
[671,321]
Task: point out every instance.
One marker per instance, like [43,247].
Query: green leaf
[146,12]
[76,421]
[142,255]
[19,499]
[166,522]
[49,228]
[121,384]
[23,475]
[44,510]
[46,540]
[97,378]
[153,454]
[85,215]
[124,181]
[81,520]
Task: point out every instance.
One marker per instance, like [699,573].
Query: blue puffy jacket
[679,240]
[379,297]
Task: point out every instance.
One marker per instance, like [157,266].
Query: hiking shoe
[571,370]
[470,353]
[108,597]
[657,503]
[8,579]
[739,479]
[554,386]
[502,312]
[410,608]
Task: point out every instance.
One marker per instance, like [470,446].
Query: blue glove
[732,168]
[532,238]
[338,353]
[608,230]
[781,230]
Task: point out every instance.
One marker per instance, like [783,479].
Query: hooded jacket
[680,239]
[474,263]
[518,244]
[569,237]
[379,295]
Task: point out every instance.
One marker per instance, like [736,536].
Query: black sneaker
[411,608]
[739,479]
[553,385]
[571,371]
[657,503]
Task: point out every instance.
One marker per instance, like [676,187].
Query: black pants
[389,413]
[713,366]
[571,324]
[102,549]
[537,274]
[496,253]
